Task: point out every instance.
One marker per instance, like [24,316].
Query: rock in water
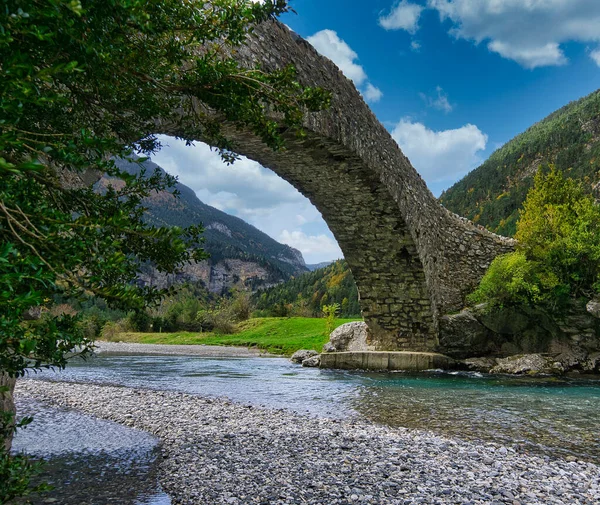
[480,364]
[530,364]
[313,362]
[353,336]
[302,354]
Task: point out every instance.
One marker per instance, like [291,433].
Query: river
[552,416]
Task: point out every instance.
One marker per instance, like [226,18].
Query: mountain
[241,255]
[315,266]
[306,294]
[492,194]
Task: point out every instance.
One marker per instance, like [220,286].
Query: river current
[557,417]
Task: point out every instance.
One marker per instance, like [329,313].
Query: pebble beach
[219,452]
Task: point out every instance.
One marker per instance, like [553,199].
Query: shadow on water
[90,461]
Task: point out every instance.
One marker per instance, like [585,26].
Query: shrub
[512,279]
[558,255]
[139,320]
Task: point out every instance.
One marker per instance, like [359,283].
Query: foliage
[306,294]
[330,312]
[569,139]
[81,82]
[272,334]
[16,470]
[558,256]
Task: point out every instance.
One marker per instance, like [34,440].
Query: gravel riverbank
[207,351]
[218,452]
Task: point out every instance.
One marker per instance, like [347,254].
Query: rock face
[353,336]
[217,277]
[303,354]
[571,339]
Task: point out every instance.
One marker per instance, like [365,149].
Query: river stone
[593,307]
[480,364]
[302,354]
[530,364]
[312,362]
[353,336]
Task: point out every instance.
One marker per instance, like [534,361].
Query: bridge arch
[412,260]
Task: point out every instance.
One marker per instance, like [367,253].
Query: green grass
[277,335]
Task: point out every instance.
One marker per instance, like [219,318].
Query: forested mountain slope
[240,253]
[306,294]
[492,194]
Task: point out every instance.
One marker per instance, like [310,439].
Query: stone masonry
[413,260]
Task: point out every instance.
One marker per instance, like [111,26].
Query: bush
[112,329]
[513,280]
[558,255]
[139,320]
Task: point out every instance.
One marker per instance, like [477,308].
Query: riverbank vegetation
[80,84]
[276,335]
[558,255]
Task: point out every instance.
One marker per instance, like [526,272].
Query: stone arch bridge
[412,260]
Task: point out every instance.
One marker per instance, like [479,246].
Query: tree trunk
[7,403]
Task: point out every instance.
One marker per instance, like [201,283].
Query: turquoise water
[551,416]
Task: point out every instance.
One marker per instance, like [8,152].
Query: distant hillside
[315,266]
[492,194]
[240,253]
[306,294]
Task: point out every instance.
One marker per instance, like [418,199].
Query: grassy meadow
[277,335]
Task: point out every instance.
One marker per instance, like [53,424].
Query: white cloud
[372,94]
[415,46]
[249,191]
[310,244]
[329,44]
[595,55]
[440,155]
[529,32]
[403,16]
[439,101]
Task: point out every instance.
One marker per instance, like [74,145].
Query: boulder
[353,336]
[593,308]
[313,362]
[480,364]
[302,354]
[462,335]
[592,363]
[529,364]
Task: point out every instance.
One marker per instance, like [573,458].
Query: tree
[82,82]
[558,255]
[330,312]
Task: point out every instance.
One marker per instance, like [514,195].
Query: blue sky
[452,80]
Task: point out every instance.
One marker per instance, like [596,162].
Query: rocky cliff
[241,255]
